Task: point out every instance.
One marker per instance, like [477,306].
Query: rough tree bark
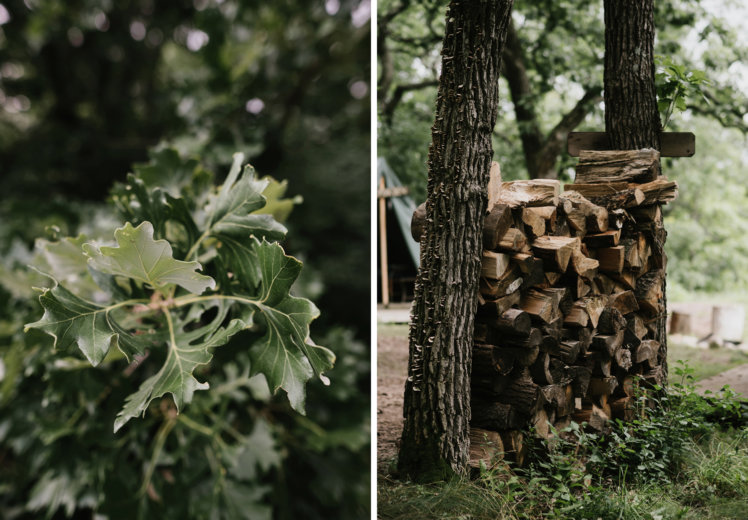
[435,440]
[631,117]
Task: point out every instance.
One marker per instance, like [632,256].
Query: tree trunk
[632,120]
[435,441]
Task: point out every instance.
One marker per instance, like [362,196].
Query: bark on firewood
[523,394]
[540,370]
[488,388]
[495,416]
[418,222]
[612,195]
[488,361]
[649,292]
[581,376]
[531,267]
[617,165]
[539,192]
[514,322]
[611,321]
[659,191]
[622,358]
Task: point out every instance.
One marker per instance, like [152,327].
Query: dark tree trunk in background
[631,117]
[435,439]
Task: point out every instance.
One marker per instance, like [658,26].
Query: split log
[647,353]
[596,217]
[493,309]
[514,323]
[603,166]
[623,408]
[649,292]
[611,321]
[584,266]
[515,448]
[625,302]
[539,192]
[595,417]
[540,424]
[560,372]
[488,388]
[605,239]
[602,386]
[588,308]
[531,267]
[608,343]
[617,218]
[486,448]
[645,214]
[494,265]
[612,195]
[622,358]
[660,191]
[489,361]
[539,305]
[494,185]
[496,224]
[509,282]
[605,285]
[611,259]
[540,370]
[533,222]
[513,240]
[555,251]
[523,394]
[494,416]
[580,382]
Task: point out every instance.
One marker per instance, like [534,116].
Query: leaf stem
[196,245]
[161,435]
[187,300]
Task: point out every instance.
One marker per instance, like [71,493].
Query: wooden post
[383,245]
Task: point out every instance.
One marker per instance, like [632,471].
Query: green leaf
[286,354]
[70,319]
[187,350]
[150,261]
[231,210]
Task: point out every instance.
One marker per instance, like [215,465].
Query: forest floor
[714,368]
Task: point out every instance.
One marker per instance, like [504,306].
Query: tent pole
[383,246]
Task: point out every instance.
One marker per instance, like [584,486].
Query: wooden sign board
[674,144]
[394,191]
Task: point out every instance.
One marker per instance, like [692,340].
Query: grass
[711,483]
[705,362]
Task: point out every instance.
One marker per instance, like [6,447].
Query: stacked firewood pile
[571,294]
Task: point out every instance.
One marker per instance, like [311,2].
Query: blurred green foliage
[87,88]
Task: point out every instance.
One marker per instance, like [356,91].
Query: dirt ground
[392,363]
[392,370]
